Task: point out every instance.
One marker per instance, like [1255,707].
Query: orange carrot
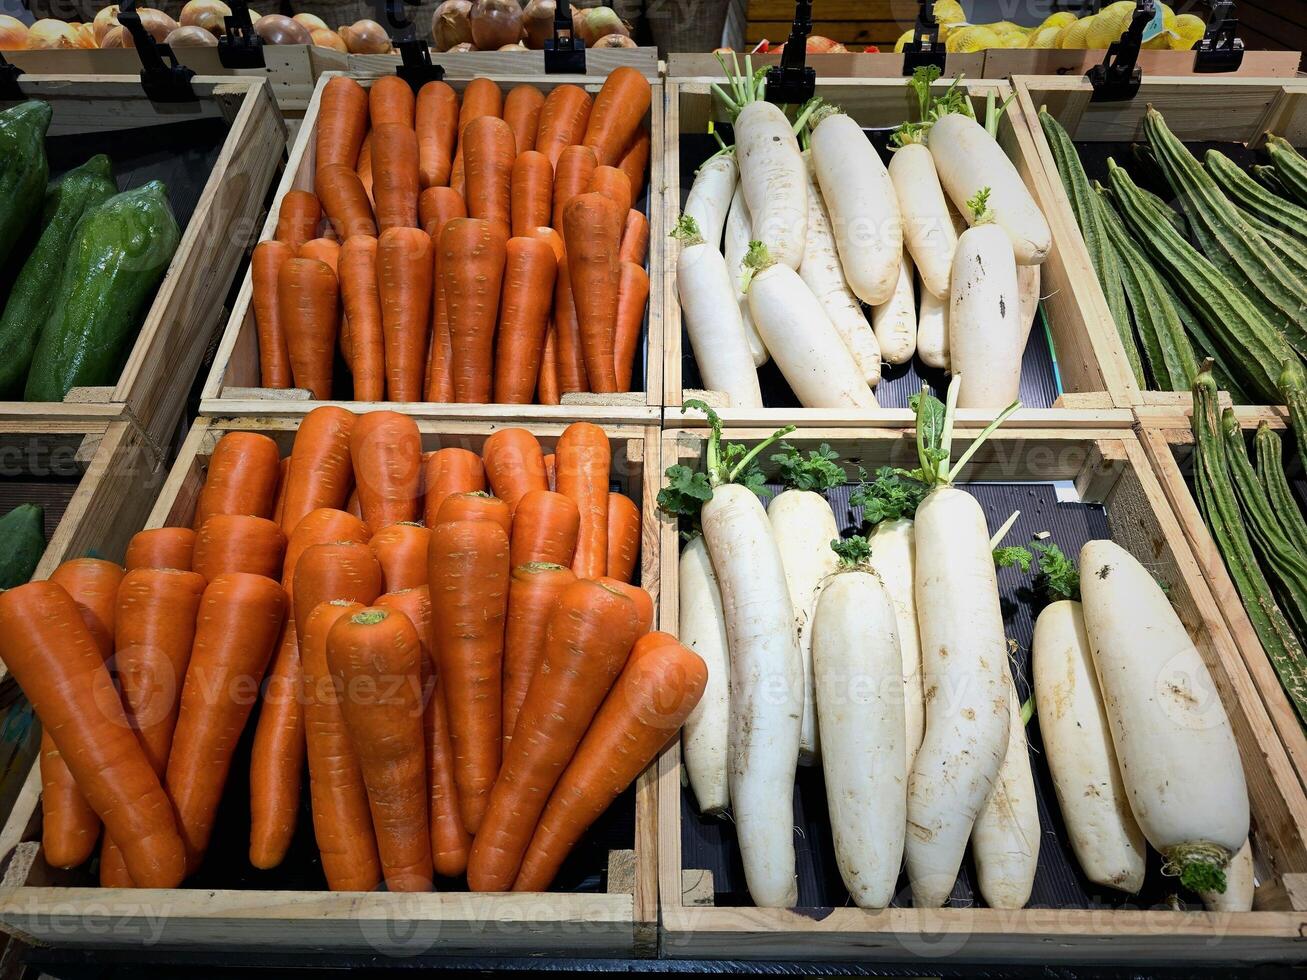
[524,308]
[550,237]
[334,570]
[587,640]
[395,176]
[642,599]
[404,264]
[327,251]
[623,536]
[488,167]
[468,576]
[658,688]
[239,543]
[161,547]
[443,206]
[635,238]
[345,201]
[379,651]
[386,448]
[547,392]
[342,123]
[632,298]
[401,550]
[572,177]
[619,110]
[93,585]
[592,231]
[476,506]
[242,477]
[563,120]
[613,184]
[567,335]
[265,264]
[320,473]
[544,529]
[277,756]
[353,505]
[635,162]
[307,303]
[482,97]
[522,113]
[531,196]
[514,465]
[584,460]
[364,169]
[437,130]
[362,302]
[236,631]
[342,821]
[279,508]
[321,526]
[446,472]
[473,253]
[390,102]
[450,841]
[57,663]
[298,218]
[533,593]
[436,205]
[551,470]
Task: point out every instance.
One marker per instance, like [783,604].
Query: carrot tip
[369,617]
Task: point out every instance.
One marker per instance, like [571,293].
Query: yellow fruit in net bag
[1188,31]
[1074,37]
[903,40]
[949,12]
[967,40]
[1063,18]
[1045,37]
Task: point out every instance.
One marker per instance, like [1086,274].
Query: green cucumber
[34,290]
[1290,167]
[1270,471]
[22,543]
[24,169]
[1254,199]
[118,253]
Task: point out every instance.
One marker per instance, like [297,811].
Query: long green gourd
[1290,167]
[1270,471]
[1293,391]
[1253,198]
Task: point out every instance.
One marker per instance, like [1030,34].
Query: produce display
[822,245]
[834,651]
[475,250]
[450,641]
[94,257]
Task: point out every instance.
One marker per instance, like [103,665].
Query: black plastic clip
[240,47]
[794,81]
[1118,78]
[1218,49]
[564,52]
[9,75]
[415,54]
[163,81]
[925,49]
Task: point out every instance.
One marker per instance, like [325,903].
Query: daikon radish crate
[1232,115]
[233,385]
[603,903]
[1169,443]
[1075,486]
[1073,372]
[217,156]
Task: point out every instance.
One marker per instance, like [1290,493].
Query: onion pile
[365,37]
[280,29]
[208,15]
[495,23]
[13,33]
[192,37]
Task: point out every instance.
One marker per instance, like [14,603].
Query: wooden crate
[1201,108]
[38,903]
[466,65]
[233,388]
[1012,62]
[177,327]
[1107,466]
[1095,378]
[884,65]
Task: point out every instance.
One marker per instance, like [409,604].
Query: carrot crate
[1071,374]
[217,156]
[1074,486]
[604,902]
[233,385]
[1232,115]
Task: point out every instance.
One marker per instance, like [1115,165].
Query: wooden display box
[1081,380]
[466,65]
[46,906]
[1201,109]
[233,388]
[233,132]
[705,917]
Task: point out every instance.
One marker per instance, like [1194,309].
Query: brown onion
[209,14]
[538,22]
[280,29]
[156,23]
[312,22]
[462,48]
[595,22]
[495,23]
[328,39]
[114,38]
[192,37]
[450,25]
[366,37]
[105,18]
[519,46]
[614,41]
[49,34]
[13,33]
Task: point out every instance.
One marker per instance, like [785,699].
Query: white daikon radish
[702,628]
[712,319]
[710,196]
[927,226]
[822,272]
[739,231]
[859,196]
[895,321]
[1102,832]
[984,314]
[860,706]
[1028,279]
[968,159]
[932,329]
[1005,839]
[1179,760]
[893,558]
[963,654]
[1240,885]
[801,339]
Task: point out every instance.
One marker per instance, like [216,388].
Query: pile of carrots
[477,251]
[449,640]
